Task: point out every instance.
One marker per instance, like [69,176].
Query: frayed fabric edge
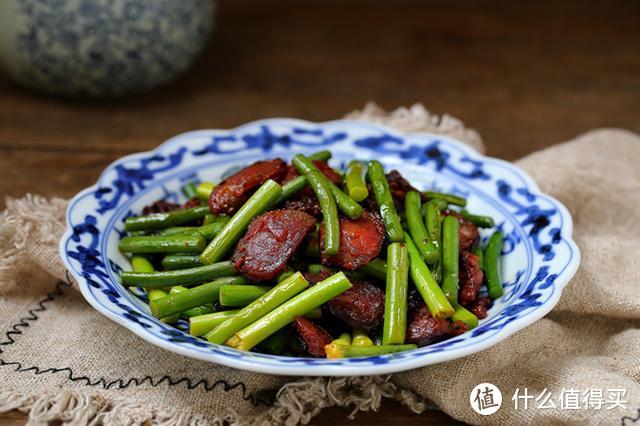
[417,118]
[295,403]
[74,408]
[298,402]
[40,222]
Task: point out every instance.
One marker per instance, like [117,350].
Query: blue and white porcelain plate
[538,259]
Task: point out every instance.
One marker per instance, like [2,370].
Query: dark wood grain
[13,418]
[391,413]
[525,76]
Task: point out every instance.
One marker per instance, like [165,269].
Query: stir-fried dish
[301,259]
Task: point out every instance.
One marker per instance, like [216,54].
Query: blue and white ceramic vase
[101,48]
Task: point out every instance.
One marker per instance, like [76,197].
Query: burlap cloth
[61,360]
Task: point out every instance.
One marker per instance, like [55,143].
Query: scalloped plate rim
[246,363]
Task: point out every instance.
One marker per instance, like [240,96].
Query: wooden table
[525,76]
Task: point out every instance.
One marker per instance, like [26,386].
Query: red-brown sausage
[305,202]
[470,277]
[270,242]
[231,193]
[192,202]
[160,206]
[414,300]
[362,306]
[316,278]
[315,338]
[360,241]
[479,307]
[398,185]
[424,329]
[468,233]
[324,167]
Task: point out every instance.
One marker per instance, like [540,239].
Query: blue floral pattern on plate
[538,259]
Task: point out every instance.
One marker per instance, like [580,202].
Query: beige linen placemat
[61,360]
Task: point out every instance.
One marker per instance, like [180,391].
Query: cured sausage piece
[326,170]
[370,203]
[306,200]
[362,306]
[271,240]
[316,278]
[323,166]
[231,193]
[160,206]
[425,329]
[192,202]
[470,277]
[360,241]
[479,307]
[414,300]
[468,233]
[315,338]
[399,186]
